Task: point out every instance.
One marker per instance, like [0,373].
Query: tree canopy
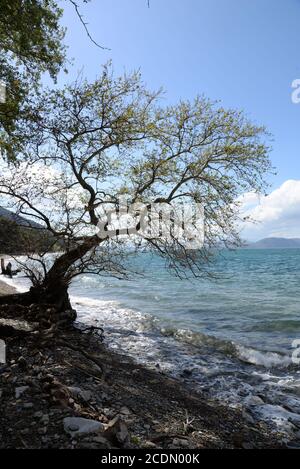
[90,142]
[30,44]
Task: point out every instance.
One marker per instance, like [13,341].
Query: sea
[234,337]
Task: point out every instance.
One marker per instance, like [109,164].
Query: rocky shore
[69,391]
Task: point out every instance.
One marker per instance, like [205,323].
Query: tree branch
[80,16]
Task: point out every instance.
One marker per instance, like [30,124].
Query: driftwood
[2,267]
[8,269]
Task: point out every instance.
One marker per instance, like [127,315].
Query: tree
[30,44]
[89,143]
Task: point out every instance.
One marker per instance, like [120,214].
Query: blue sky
[242,52]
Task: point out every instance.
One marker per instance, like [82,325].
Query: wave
[200,340]
[141,322]
[263,358]
[136,321]
[91,282]
[245,354]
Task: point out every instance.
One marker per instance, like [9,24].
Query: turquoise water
[254,301]
[229,338]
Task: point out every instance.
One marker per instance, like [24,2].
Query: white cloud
[275,215]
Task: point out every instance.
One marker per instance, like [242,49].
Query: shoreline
[6,289]
[74,375]
[150,409]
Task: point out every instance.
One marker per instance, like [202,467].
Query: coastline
[6,289]
[75,375]
[138,407]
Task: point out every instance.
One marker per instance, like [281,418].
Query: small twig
[188,422]
[91,329]
[76,7]
[23,442]
[83,370]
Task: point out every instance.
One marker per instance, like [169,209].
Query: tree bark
[65,261]
[54,289]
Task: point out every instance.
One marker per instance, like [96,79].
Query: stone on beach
[81,393]
[78,426]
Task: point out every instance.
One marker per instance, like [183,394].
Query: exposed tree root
[91,358]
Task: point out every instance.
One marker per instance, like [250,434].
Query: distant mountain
[19,235]
[13,217]
[275,243]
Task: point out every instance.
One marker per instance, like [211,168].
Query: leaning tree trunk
[49,292]
[54,289]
